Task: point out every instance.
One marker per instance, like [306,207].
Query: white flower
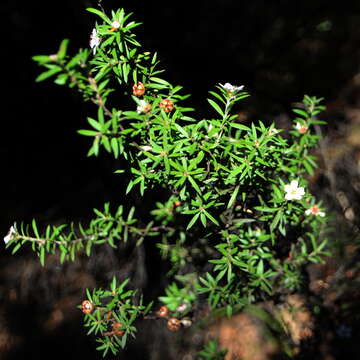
[302,129]
[143,107]
[94,40]
[293,191]
[182,307]
[186,322]
[115,25]
[10,235]
[231,88]
[146,148]
[314,210]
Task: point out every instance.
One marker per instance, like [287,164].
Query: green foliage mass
[238,224]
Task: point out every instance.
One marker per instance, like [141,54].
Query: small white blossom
[143,107]
[231,88]
[146,148]
[115,25]
[94,40]
[302,129]
[293,191]
[182,307]
[10,235]
[186,322]
[314,210]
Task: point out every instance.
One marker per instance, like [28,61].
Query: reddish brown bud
[87,307]
[138,89]
[167,105]
[173,324]
[163,311]
[117,329]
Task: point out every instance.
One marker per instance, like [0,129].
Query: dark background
[274,48]
[278,49]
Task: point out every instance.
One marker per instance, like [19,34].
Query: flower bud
[163,311]
[173,324]
[114,25]
[143,107]
[176,203]
[87,307]
[138,89]
[167,105]
[301,128]
[117,329]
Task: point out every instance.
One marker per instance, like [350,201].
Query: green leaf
[160,81]
[213,93]
[233,197]
[229,311]
[16,248]
[134,182]
[203,219]
[62,49]
[105,141]
[260,268]
[42,256]
[101,14]
[194,184]
[308,167]
[239,126]
[181,130]
[216,107]
[126,70]
[87,132]
[131,213]
[192,221]
[300,112]
[115,147]
[265,209]
[61,79]
[101,115]
[211,217]
[42,59]
[276,220]
[34,226]
[96,125]
[45,75]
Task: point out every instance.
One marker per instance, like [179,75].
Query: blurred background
[280,51]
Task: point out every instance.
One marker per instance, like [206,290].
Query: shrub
[238,223]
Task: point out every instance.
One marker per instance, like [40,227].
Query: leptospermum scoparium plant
[238,224]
